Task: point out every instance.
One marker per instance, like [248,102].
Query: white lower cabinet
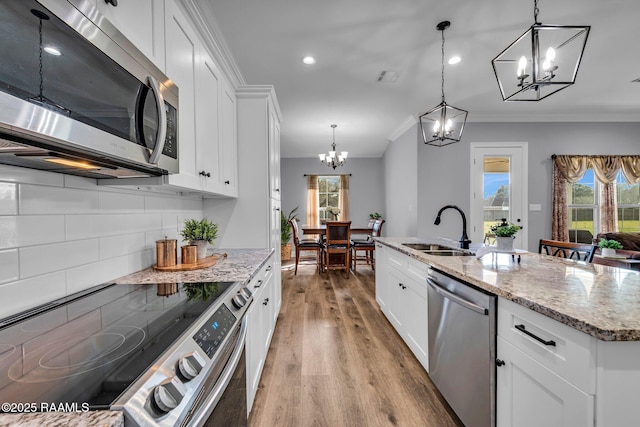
[403,299]
[261,320]
[530,395]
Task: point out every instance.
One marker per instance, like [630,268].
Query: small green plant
[285,226]
[505,229]
[199,230]
[200,291]
[609,244]
[375,215]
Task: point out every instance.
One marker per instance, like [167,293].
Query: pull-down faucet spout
[464,240]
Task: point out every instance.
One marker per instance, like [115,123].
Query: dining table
[322,229]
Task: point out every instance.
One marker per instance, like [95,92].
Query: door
[499,189]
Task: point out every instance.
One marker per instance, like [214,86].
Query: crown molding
[402,128]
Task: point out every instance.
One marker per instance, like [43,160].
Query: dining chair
[367,245]
[309,245]
[337,247]
[576,251]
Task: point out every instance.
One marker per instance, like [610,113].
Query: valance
[573,167]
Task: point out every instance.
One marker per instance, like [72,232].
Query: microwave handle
[162,121]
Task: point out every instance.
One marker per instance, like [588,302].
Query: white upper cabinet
[142,22]
[274,154]
[229,142]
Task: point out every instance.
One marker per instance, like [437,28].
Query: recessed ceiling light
[308,60]
[454,60]
[52,50]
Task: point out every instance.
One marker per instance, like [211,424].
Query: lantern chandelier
[442,125]
[332,159]
[541,62]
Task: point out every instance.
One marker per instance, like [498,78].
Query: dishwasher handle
[457,299]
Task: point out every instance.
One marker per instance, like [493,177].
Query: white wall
[401,185]
[60,234]
[366,186]
[444,173]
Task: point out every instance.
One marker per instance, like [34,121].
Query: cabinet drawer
[411,267]
[560,348]
[257,283]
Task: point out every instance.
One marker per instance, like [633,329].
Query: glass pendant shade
[332,159]
[542,61]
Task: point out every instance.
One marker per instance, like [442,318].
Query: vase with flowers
[334,212]
[504,233]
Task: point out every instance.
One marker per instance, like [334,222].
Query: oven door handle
[162,121]
[214,396]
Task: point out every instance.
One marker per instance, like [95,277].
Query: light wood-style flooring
[336,361]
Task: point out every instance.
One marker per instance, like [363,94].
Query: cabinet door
[229,143]
[530,395]
[274,154]
[208,90]
[254,353]
[414,302]
[382,287]
[394,304]
[182,49]
[142,22]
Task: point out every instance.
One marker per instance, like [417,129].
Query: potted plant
[285,233]
[373,217]
[608,247]
[199,233]
[505,233]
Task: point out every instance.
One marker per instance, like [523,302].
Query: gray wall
[366,186]
[401,185]
[444,173]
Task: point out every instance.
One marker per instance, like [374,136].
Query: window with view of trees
[583,203]
[328,195]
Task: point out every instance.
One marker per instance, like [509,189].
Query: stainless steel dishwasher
[462,348]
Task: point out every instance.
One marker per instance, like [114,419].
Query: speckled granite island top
[238,265]
[57,419]
[598,300]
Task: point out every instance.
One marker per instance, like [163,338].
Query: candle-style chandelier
[542,61]
[332,159]
[443,125]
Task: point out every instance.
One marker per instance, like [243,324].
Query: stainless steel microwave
[77,97]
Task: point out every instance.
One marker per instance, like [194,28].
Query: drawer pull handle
[500,362]
[522,329]
[258,285]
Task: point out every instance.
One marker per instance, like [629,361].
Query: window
[583,206]
[328,195]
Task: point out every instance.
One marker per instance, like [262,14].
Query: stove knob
[238,301]
[168,394]
[246,293]
[189,366]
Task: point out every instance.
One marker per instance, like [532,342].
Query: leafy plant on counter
[375,215]
[505,229]
[199,230]
[609,244]
[201,291]
[285,226]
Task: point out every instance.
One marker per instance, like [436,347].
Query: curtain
[631,168]
[343,198]
[559,214]
[608,208]
[312,200]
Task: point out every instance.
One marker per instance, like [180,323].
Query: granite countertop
[238,265]
[601,301]
[64,419]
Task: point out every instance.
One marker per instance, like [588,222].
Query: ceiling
[354,40]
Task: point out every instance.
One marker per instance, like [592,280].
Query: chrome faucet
[464,240]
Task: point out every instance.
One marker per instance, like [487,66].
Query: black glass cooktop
[90,348]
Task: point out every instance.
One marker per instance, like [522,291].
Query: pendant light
[332,159]
[541,62]
[442,125]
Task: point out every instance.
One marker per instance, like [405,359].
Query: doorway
[499,189]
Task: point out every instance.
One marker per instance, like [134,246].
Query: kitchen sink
[447,252]
[436,249]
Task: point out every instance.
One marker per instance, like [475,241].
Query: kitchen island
[583,367]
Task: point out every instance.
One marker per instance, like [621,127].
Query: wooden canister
[189,254]
[166,252]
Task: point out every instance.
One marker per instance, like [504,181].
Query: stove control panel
[214,330]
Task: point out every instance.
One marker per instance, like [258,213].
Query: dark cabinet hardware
[522,329]
[258,285]
[266,301]
[114,3]
[500,362]
[227,182]
[207,174]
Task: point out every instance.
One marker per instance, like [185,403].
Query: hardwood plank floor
[335,360]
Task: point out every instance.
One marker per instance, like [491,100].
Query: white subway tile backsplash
[8,198]
[29,230]
[35,260]
[114,246]
[121,202]
[35,199]
[96,273]
[21,295]
[9,266]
